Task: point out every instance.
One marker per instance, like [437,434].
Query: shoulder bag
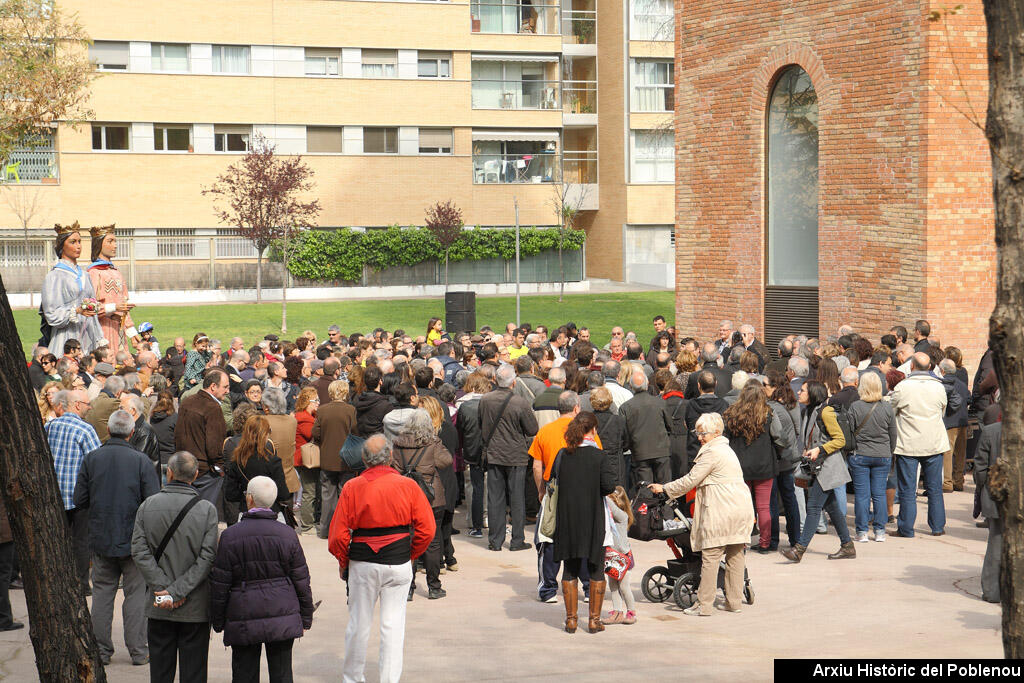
[309,454]
[410,471]
[174,527]
[549,505]
[352,452]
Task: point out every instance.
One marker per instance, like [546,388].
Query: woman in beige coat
[723,517]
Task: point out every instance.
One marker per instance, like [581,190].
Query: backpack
[648,515]
[410,471]
[845,421]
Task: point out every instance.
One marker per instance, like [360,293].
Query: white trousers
[368,581]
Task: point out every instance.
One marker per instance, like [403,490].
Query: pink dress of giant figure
[110,290]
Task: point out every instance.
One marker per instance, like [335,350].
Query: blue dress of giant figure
[65,287]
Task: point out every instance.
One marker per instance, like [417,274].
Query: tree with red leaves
[444,220]
[262,196]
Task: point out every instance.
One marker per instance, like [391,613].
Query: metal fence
[188,262]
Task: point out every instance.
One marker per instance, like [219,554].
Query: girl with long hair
[622,517]
[434,329]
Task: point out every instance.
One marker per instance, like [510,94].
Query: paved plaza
[903,598]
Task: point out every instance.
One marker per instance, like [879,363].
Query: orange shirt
[549,440]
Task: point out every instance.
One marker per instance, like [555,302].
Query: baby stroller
[681,577]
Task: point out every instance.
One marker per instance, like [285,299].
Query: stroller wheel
[656,584]
[685,590]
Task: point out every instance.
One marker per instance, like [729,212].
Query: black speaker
[460,321]
[460,301]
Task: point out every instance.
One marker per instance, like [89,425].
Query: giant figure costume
[111,291]
[65,287]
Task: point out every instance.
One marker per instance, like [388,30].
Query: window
[792,180]
[380,141]
[651,20]
[324,140]
[231,138]
[231,59]
[169,57]
[653,85]
[434,65]
[110,136]
[171,138]
[182,247]
[653,157]
[435,140]
[109,55]
[380,63]
[321,62]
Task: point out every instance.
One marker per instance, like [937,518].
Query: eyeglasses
[314,400]
[698,433]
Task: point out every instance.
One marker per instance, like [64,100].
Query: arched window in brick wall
[791,258]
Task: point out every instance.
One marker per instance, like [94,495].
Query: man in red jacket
[382,522]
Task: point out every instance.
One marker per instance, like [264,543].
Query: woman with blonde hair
[874,423]
[722,516]
[446,431]
[47,408]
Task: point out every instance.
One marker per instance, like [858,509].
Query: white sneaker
[880,536]
[862,537]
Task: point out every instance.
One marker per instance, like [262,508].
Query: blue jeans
[869,477]
[784,487]
[816,501]
[906,478]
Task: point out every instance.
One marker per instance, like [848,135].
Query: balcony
[538,167]
[510,17]
[30,167]
[579,173]
[515,94]
[579,31]
[579,103]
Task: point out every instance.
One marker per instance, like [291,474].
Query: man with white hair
[739,380]
[143,438]
[752,343]
[113,481]
[104,405]
[648,424]
[507,428]
[383,522]
[724,340]
[845,330]
[797,373]
[847,394]
[958,396]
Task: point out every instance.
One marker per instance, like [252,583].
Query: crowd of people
[374,442]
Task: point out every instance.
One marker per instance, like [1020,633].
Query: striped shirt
[70,439]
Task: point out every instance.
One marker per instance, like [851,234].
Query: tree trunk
[1005,131]
[61,630]
[284,290]
[561,266]
[259,275]
[445,271]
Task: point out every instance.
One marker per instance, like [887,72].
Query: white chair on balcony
[492,171]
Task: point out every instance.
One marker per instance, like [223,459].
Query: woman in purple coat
[259,588]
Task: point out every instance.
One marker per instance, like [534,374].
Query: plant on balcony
[444,221]
[583,30]
[263,196]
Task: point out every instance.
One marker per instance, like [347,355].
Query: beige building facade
[394,104]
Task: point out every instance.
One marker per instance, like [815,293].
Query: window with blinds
[435,140]
[322,62]
[109,55]
[380,63]
[169,56]
[380,141]
[324,140]
[231,59]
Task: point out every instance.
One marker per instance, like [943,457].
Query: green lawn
[599,312]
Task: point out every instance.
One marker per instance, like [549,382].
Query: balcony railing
[652,26]
[509,17]
[542,167]
[581,25]
[579,97]
[579,166]
[29,166]
[518,94]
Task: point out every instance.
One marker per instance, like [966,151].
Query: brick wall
[905,218]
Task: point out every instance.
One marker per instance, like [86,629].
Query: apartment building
[394,104]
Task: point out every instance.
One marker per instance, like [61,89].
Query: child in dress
[622,517]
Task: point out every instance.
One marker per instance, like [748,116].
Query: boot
[796,553]
[570,594]
[596,601]
[846,551]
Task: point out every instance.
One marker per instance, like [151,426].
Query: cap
[476,339]
[105,369]
[334,328]
[271,337]
[316,364]
[146,327]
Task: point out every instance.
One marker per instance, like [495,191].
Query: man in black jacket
[752,343]
[723,378]
[988,452]
[955,420]
[371,405]
[143,439]
[112,483]
[647,428]
[706,402]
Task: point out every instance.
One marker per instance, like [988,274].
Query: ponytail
[580,426]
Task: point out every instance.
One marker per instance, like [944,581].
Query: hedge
[341,254]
